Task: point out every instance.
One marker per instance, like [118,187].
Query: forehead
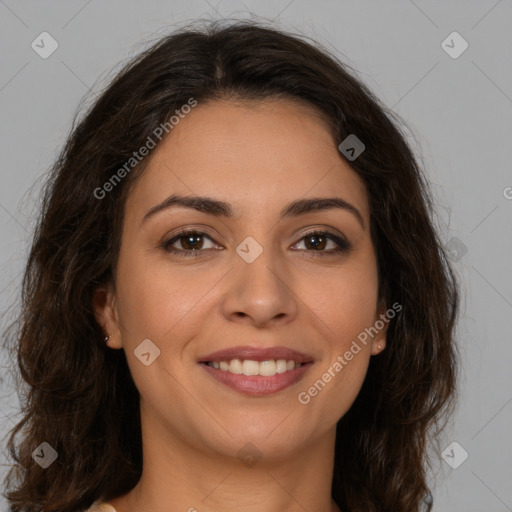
[262,154]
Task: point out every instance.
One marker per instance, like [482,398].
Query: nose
[260,293]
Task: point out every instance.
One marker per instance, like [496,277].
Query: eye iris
[189,244]
[318,245]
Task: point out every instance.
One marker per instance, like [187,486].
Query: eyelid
[200,230]
[328,231]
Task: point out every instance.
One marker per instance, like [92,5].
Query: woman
[236,297]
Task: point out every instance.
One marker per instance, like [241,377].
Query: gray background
[459,112]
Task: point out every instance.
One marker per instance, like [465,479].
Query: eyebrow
[219,208]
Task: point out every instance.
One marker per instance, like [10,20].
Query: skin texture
[258,157]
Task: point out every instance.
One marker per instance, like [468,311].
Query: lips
[256,354]
[282,358]
[253,385]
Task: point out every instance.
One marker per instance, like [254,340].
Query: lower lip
[257,385]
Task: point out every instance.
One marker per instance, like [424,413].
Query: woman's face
[251,280]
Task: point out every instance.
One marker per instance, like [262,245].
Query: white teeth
[235,366]
[250,367]
[281,365]
[267,368]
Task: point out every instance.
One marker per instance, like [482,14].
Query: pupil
[319,244]
[189,244]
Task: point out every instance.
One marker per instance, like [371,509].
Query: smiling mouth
[257,378]
[255,370]
[251,367]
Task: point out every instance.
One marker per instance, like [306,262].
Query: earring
[106,339]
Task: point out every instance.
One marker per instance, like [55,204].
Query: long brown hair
[80,397]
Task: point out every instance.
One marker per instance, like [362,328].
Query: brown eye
[187,243]
[317,241]
[191,243]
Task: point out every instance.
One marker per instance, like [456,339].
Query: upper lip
[257,354]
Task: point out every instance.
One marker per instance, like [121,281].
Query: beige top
[101,507]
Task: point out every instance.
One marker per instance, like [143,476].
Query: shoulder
[100,506]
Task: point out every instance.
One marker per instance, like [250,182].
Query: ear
[381,320]
[105,311]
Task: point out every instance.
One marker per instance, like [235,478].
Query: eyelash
[343,246]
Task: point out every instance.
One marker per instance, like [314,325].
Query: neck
[178,477]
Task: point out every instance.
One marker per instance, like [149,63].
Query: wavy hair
[79,395]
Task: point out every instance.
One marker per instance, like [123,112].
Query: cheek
[346,304]
[343,388]
[345,300]
[157,300]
